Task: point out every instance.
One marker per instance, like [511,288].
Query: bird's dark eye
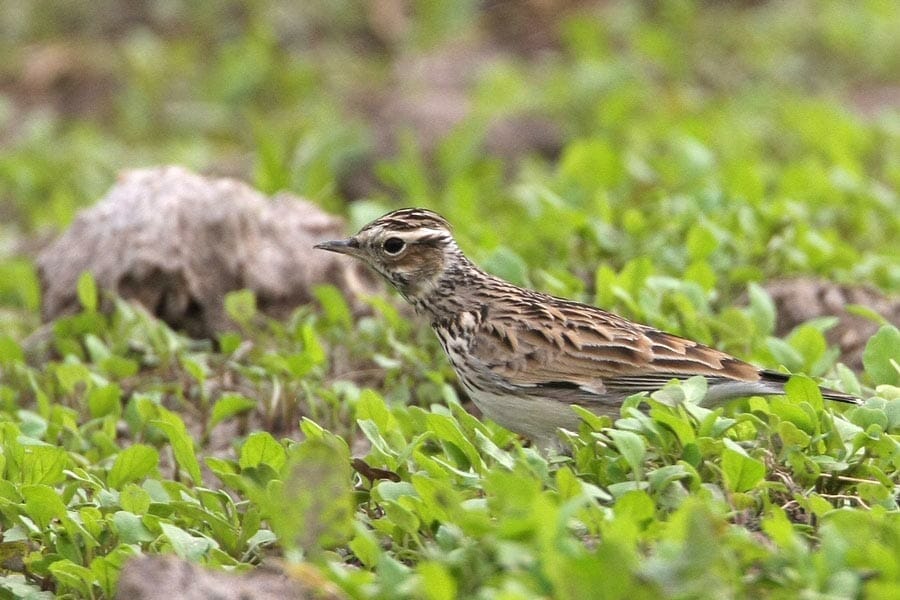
[393,245]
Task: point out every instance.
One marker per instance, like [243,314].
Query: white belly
[534,417]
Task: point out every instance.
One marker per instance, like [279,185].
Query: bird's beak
[349,246]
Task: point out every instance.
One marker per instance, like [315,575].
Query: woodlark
[523,356]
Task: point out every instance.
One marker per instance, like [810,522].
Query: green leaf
[241,306]
[866,312]
[262,449]
[43,504]
[741,472]
[437,582]
[17,587]
[810,343]
[675,422]
[364,545]
[762,309]
[71,374]
[312,506]
[695,389]
[337,311]
[10,351]
[87,292]
[196,366]
[119,367]
[778,527]
[881,357]
[182,444]
[73,576]
[19,284]
[370,406]
[43,464]
[636,506]
[185,545]
[132,464]
[229,342]
[701,242]
[800,388]
[134,498]
[105,400]
[106,569]
[228,406]
[785,354]
[447,430]
[632,447]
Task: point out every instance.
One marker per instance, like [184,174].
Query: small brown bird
[524,357]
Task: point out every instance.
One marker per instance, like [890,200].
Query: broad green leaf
[134,498]
[10,351]
[785,354]
[695,389]
[261,448]
[371,406]
[241,306]
[762,309]
[505,263]
[701,242]
[119,367]
[803,389]
[87,292]
[337,311]
[312,347]
[106,569]
[394,490]
[132,464]
[632,447]
[182,444]
[809,341]
[228,406]
[682,428]
[96,349]
[71,374]
[440,502]
[196,366]
[229,342]
[105,400]
[448,430]
[881,357]
[19,283]
[778,527]
[43,464]
[364,545]
[636,506]
[437,582]
[131,528]
[74,576]
[185,545]
[43,504]
[17,587]
[742,473]
[311,507]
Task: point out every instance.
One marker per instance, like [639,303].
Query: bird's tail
[779,379]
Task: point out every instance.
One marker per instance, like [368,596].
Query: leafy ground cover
[706,148]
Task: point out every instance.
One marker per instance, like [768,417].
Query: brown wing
[556,343]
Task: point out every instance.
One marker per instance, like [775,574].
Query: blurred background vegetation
[763,131]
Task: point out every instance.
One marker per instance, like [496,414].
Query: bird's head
[411,247]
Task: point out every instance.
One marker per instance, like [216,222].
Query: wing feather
[563,345]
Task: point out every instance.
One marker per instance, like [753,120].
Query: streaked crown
[409,219]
